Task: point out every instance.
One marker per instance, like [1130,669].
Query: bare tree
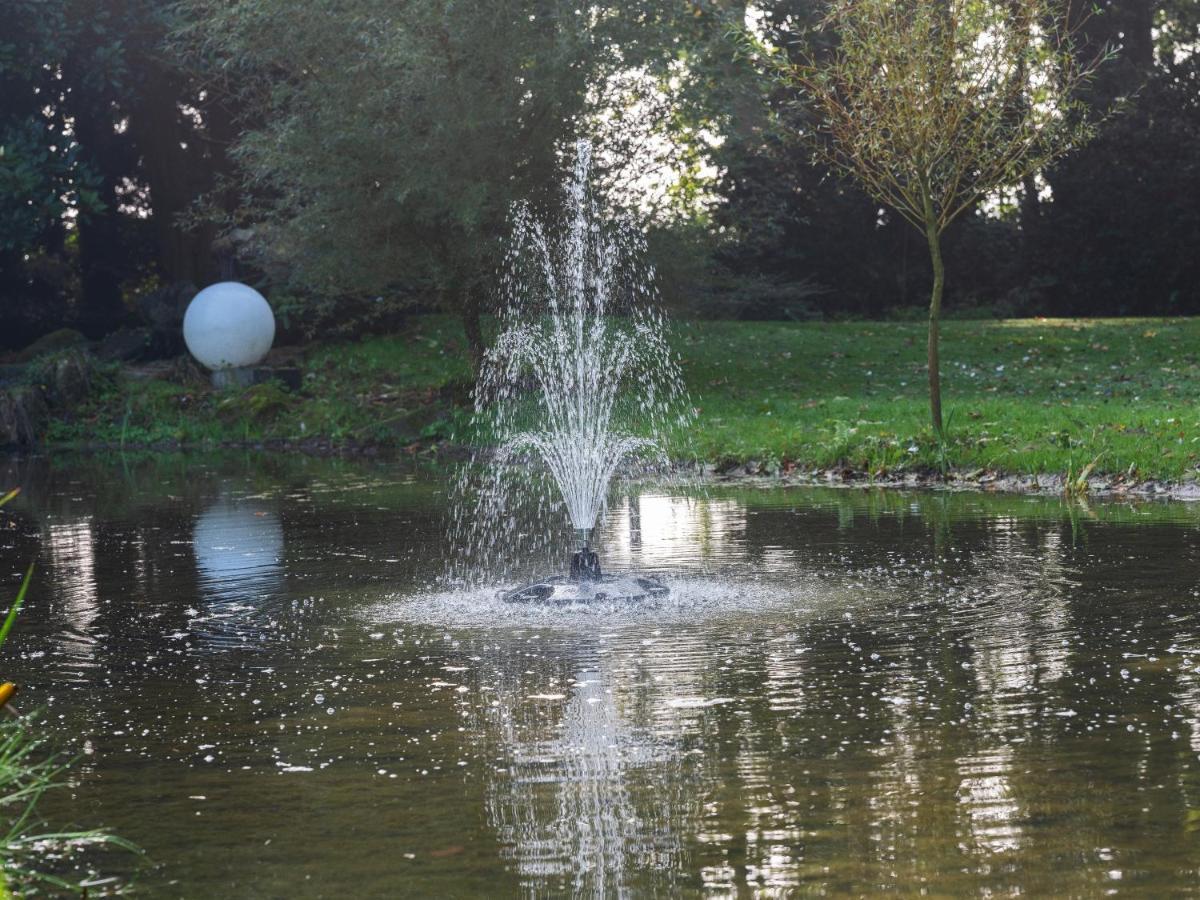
[931,105]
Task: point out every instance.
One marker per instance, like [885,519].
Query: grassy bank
[1023,396]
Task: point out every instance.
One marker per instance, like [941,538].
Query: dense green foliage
[106,144]
[1120,233]
[391,139]
[360,162]
[1028,397]
[1106,231]
[38,161]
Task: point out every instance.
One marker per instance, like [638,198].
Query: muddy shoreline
[1046,485]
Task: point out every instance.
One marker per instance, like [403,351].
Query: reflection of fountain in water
[239,560]
[587,799]
[592,825]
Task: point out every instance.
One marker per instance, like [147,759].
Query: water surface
[848,692]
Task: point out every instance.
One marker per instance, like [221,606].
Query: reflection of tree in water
[955,723]
[993,703]
[652,530]
[70,545]
[1020,667]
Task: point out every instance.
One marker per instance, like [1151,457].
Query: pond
[848,691]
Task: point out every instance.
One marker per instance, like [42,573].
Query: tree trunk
[104,260]
[474,331]
[177,170]
[934,237]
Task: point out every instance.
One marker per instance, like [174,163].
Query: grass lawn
[1021,396]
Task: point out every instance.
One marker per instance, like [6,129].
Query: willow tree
[932,105]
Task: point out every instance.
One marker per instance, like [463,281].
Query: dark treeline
[106,143]
[1109,230]
[362,164]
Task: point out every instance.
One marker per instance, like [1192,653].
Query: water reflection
[239,550]
[990,809]
[964,695]
[947,714]
[567,802]
[651,531]
[72,556]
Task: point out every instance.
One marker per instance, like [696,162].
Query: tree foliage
[41,175]
[931,105]
[106,141]
[1119,234]
[385,144]
[379,145]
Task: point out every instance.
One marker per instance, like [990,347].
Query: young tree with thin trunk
[932,105]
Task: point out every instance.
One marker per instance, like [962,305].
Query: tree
[384,145]
[104,144]
[1120,232]
[38,160]
[801,240]
[932,105]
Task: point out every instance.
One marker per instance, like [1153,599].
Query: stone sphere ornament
[229,327]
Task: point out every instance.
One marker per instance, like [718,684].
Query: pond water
[849,691]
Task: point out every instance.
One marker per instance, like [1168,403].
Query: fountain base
[585,564]
[564,590]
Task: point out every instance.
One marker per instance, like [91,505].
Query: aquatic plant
[16,606]
[26,772]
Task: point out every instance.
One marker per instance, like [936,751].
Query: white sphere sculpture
[228,325]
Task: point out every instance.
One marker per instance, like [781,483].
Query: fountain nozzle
[585,564]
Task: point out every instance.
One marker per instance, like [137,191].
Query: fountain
[579,385]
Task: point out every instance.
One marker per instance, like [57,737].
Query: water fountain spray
[579,384]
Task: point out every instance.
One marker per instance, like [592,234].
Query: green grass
[395,390]
[1022,396]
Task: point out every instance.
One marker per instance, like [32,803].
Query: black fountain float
[587,584]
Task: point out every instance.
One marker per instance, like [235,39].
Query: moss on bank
[1024,397]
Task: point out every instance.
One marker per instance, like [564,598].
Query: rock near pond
[126,345]
[23,412]
[64,379]
[53,342]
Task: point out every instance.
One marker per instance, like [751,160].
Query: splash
[579,387]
